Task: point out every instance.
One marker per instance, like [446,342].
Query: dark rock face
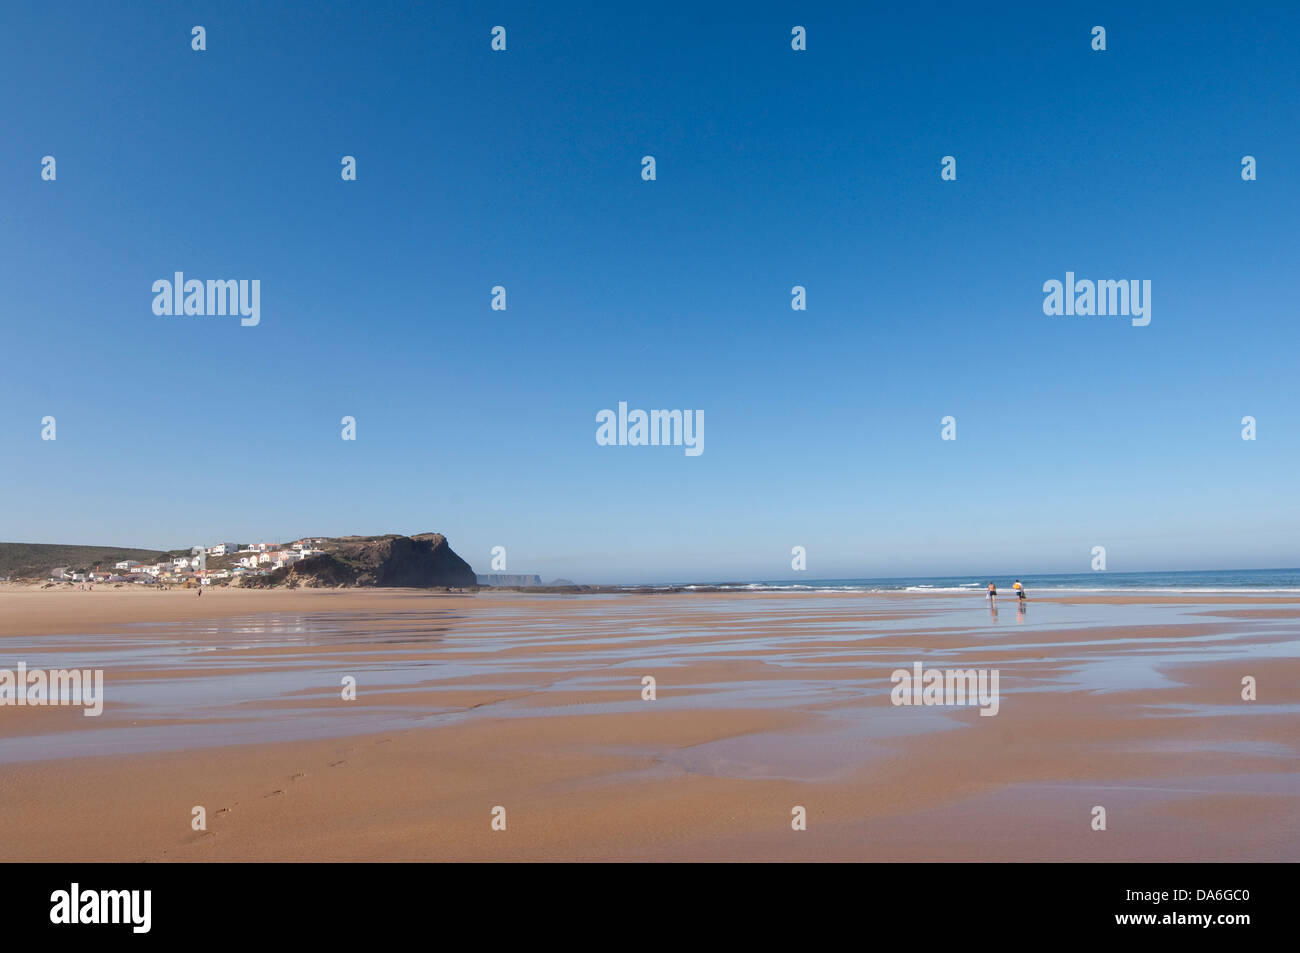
[418,562]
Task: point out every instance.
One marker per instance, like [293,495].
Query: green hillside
[35,560]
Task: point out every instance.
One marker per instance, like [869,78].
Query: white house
[223,549]
[129,564]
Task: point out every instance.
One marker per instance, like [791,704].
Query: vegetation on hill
[35,560]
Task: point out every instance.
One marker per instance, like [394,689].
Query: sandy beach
[764,702]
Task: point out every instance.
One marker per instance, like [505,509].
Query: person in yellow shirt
[1020,590]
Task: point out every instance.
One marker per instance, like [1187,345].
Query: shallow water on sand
[278,676]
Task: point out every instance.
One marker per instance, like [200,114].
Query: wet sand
[765,702]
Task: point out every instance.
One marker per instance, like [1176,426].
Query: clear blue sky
[775,168]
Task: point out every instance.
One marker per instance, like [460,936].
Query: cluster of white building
[255,559]
[272,556]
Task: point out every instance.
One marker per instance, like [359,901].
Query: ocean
[1216,580]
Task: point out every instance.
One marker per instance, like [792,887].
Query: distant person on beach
[1020,591]
[993,592]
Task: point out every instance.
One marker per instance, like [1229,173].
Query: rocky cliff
[422,561]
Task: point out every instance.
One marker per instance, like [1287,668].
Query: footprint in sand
[274,793]
[335,764]
[224,810]
[298,776]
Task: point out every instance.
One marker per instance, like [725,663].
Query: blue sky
[775,168]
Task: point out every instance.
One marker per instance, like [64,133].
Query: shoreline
[129,605]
